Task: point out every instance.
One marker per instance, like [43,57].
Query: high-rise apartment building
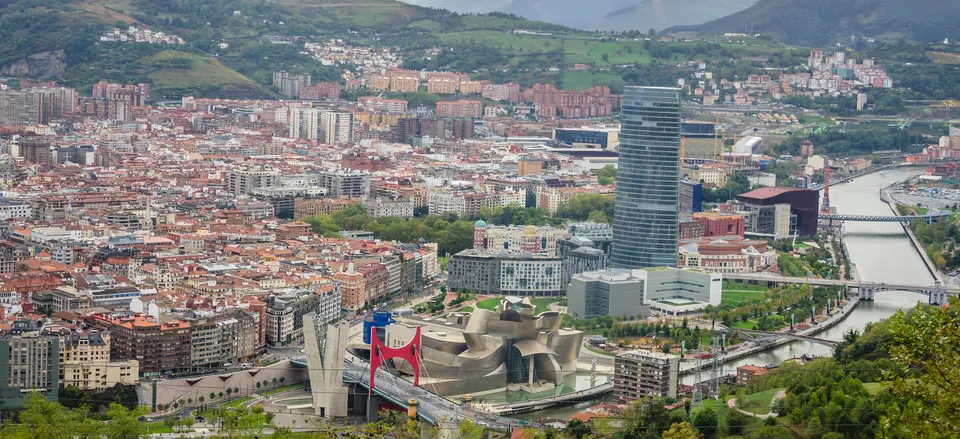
[336,127]
[640,373]
[28,362]
[647,195]
[244,181]
[20,107]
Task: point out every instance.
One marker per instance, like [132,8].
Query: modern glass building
[646,215]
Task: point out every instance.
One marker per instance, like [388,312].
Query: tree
[736,420]
[926,340]
[200,399]
[577,429]
[706,421]
[681,431]
[469,430]
[258,384]
[124,423]
[282,379]
[170,421]
[268,417]
[229,391]
[275,381]
[266,383]
[188,421]
[213,396]
[219,394]
[815,428]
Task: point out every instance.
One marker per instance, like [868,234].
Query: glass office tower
[646,216]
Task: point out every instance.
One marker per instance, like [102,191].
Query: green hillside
[822,22]
[29,27]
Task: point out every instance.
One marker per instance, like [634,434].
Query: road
[443,412]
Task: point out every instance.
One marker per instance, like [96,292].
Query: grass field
[748,325]
[466,309]
[521,44]
[285,389]
[873,388]
[943,57]
[592,52]
[737,297]
[736,294]
[584,79]
[201,71]
[156,427]
[425,24]
[759,402]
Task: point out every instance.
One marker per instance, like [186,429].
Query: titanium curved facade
[646,215]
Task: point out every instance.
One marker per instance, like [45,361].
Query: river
[881,252]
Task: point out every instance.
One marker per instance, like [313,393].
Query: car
[199,419]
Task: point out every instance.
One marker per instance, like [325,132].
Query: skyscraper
[645,218]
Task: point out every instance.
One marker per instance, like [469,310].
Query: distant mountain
[617,15]
[820,22]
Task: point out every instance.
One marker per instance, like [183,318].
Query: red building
[716,224]
[321,90]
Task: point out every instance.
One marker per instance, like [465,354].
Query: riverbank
[688,367]
[888,199]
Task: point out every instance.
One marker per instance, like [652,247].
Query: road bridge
[524,406]
[431,407]
[766,335]
[937,294]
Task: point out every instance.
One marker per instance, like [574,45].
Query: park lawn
[759,402]
[543,305]
[156,427]
[466,309]
[748,325]
[727,285]
[597,351]
[488,304]
[737,297]
[285,389]
[237,402]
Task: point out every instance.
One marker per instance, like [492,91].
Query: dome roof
[480,223]
[530,230]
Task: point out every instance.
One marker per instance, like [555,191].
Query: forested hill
[820,22]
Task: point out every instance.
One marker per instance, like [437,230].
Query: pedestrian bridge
[937,294]
[765,335]
[884,218]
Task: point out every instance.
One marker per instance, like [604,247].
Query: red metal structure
[379,353]
[825,206]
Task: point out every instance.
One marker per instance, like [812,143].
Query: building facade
[28,362]
[501,273]
[641,373]
[645,217]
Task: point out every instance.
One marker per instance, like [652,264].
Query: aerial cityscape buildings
[645,220]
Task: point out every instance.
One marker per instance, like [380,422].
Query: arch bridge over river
[937,294]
